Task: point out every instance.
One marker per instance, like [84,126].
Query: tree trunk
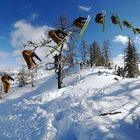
[60,77]
[60,70]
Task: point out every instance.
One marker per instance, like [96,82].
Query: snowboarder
[28,56]
[6,84]
[79,22]
[57,35]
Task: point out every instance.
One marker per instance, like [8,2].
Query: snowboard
[85,26]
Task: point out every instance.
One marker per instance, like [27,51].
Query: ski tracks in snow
[72,113]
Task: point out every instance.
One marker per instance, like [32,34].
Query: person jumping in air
[115,19]
[136,30]
[79,22]
[28,57]
[57,35]
[6,84]
[127,24]
[99,18]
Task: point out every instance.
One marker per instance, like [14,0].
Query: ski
[60,43]
[85,26]
[104,21]
[120,26]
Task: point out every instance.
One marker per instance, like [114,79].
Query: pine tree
[131,60]
[95,54]
[84,51]
[106,53]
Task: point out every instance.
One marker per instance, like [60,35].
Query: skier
[136,30]
[115,19]
[28,56]
[127,24]
[6,84]
[79,22]
[57,35]
[99,18]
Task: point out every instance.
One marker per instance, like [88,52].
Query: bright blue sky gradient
[44,12]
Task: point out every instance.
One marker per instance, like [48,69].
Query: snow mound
[78,111]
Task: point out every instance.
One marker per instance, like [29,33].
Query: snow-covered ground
[78,111]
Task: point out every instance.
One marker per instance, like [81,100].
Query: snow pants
[6,85]
[27,59]
[55,37]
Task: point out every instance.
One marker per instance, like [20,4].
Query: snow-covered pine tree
[22,77]
[83,51]
[106,53]
[131,60]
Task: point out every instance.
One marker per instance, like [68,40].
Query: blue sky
[30,19]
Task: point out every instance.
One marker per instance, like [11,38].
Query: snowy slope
[73,112]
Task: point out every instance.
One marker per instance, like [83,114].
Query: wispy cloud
[121,39]
[24,31]
[137,40]
[34,16]
[119,60]
[7,57]
[4,55]
[84,8]
[24,7]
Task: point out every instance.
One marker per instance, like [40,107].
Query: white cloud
[121,39]
[24,31]
[8,60]
[137,40]
[84,8]
[17,52]
[119,60]
[4,55]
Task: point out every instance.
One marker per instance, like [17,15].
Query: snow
[73,112]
